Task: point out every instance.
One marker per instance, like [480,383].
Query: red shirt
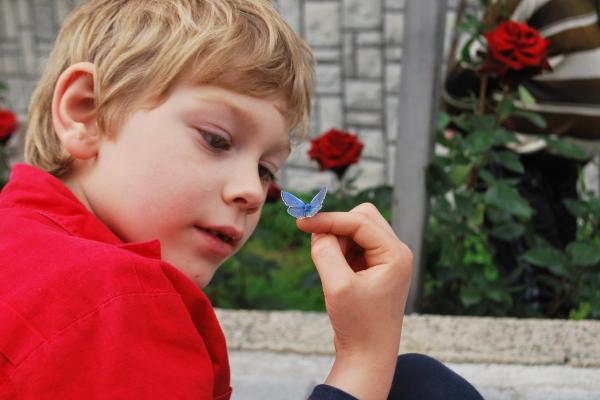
[85,316]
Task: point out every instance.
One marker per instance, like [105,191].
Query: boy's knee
[415,363]
[418,376]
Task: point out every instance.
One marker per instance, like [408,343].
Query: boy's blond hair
[142,48]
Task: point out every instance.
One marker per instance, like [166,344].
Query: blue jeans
[417,377]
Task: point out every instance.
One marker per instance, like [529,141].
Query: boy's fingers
[329,260]
[371,211]
[366,233]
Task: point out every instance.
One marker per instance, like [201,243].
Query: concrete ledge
[450,339]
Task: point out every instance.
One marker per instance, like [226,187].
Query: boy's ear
[74,111]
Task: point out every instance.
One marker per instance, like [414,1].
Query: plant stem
[557,301]
[505,94]
[342,188]
[482,93]
[472,178]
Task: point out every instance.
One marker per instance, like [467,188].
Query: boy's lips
[214,246]
[232,233]
[223,239]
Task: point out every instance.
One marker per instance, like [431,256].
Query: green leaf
[505,109]
[462,121]
[443,211]
[437,181]
[582,312]
[472,24]
[490,272]
[507,198]
[508,231]
[583,253]
[477,217]
[503,136]
[479,141]
[442,121]
[525,96]
[476,251]
[499,217]
[449,257]
[547,257]
[510,161]
[487,177]
[594,206]
[466,205]
[577,208]
[494,294]
[565,148]
[469,296]
[465,55]
[535,118]
[458,173]
[483,122]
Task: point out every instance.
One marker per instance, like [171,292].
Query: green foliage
[274,269]
[484,255]
[472,210]
[565,148]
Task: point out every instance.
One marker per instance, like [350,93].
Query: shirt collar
[32,188]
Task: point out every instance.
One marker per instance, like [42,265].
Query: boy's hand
[365,272]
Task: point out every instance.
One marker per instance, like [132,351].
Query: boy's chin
[201,275]
[202,279]
[197,268]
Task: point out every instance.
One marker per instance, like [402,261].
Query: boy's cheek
[251,230]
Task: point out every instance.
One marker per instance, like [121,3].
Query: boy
[153,135]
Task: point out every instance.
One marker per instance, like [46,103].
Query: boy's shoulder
[48,273]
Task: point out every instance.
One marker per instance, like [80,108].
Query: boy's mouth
[220,235]
[226,234]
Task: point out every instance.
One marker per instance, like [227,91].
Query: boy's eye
[265,174]
[216,141]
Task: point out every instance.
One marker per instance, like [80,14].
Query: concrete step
[291,376]
[478,340]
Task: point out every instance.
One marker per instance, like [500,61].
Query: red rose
[8,124]
[515,46]
[273,193]
[335,150]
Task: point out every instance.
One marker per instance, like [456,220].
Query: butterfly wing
[290,200]
[297,212]
[296,207]
[317,202]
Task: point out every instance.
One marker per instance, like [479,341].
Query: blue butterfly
[299,209]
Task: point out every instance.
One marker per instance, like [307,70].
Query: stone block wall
[357,43]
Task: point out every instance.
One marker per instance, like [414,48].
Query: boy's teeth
[219,235]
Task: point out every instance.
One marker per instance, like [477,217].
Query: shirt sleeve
[326,392]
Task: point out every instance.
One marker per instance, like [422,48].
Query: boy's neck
[75,187]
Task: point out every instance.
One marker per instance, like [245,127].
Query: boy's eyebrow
[247,119]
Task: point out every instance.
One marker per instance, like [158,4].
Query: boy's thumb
[329,260]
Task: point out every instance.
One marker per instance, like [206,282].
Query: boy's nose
[245,192]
